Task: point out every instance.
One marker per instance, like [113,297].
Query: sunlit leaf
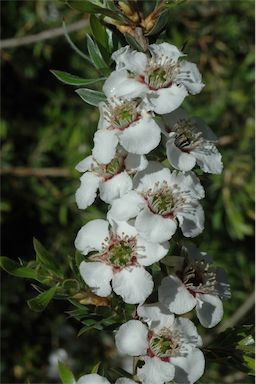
[40,302]
[69,79]
[91,97]
[66,375]
[95,54]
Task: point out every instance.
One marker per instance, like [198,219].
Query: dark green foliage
[45,124]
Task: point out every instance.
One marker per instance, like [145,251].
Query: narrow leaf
[67,78]
[91,97]
[99,32]
[15,269]
[44,257]
[73,46]
[95,54]
[40,302]
[160,23]
[96,368]
[66,375]
[88,7]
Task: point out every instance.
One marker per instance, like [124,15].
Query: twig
[234,319]
[45,35]
[38,172]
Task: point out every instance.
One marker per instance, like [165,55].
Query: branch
[45,35]
[38,172]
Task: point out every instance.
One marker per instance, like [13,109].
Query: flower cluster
[147,204]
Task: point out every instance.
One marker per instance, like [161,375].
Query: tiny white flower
[94,378]
[167,345]
[121,256]
[126,122]
[190,141]
[196,284]
[160,200]
[113,179]
[159,78]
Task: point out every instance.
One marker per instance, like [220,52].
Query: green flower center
[165,344]
[121,115]
[160,76]
[120,254]
[161,201]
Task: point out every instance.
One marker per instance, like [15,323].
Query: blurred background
[46,129]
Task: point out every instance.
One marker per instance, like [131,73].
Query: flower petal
[166,100]
[166,50]
[132,338]
[190,368]
[135,163]
[190,77]
[124,380]
[156,316]
[119,84]
[105,143]
[141,137]
[222,286]
[85,164]
[92,378]
[178,159]
[92,236]
[174,295]
[126,207]
[152,167]
[189,183]
[172,118]
[130,59]
[191,219]
[115,187]
[204,129]
[154,227]
[87,192]
[155,371]
[209,159]
[189,332]
[149,252]
[98,276]
[147,179]
[103,123]
[209,310]
[134,284]
[122,228]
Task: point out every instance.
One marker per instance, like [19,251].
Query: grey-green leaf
[90,96]
[17,270]
[69,79]
[66,375]
[95,54]
[40,302]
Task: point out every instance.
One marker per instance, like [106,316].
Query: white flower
[160,78]
[190,141]
[125,121]
[94,378]
[120,258]
[159,200]
[167,345]
[196,284]
[112,179]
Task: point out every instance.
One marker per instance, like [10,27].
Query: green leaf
[15,269]
[160,23]
[44,257]
[67,78]
[96,368]
[95,54]
[133,42]
[73,46]
[40,302]
[88,7]
[66,375]
[99,32]
[70,286]
[91,97]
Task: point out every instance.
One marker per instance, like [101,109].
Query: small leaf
[96,368]
[66,375]
[99,32]
[160,23]
[67,78]
[15,269]
[70,286]
[44,257]
[95,54]
[133,42]
[88,7]
[91,97]
[40,302]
